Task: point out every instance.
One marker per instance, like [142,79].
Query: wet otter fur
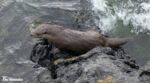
[73,40]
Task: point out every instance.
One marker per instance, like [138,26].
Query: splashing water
[122,18]
[133,12]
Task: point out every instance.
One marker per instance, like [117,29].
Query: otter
[73,40]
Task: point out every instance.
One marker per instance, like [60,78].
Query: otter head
[40,32]
[46,31]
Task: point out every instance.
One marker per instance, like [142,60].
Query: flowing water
[126,18]
[15,41]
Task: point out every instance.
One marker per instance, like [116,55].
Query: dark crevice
[42,56]
[145,73]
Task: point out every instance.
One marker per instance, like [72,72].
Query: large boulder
[98,64]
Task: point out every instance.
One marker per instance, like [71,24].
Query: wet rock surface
[99,63]
[144,74]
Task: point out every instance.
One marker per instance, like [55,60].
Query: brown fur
[73,40]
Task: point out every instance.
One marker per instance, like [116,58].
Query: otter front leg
[52,67]
[54,50]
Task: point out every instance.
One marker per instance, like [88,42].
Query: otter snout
[33,34]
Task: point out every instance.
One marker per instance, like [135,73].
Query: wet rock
[97,64]
[144,73]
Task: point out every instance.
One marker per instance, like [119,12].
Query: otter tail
[116,42]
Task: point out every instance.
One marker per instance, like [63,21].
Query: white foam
[141,21]
[127,12]
[146,6]
[107,20]
[107,23]
[99,4]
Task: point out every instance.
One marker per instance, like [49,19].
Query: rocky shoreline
[97,64]
[16,44]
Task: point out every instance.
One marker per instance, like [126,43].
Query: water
[124,18]
[15,41]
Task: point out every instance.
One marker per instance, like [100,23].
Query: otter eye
[45,32]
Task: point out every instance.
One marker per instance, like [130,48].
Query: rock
[95,65]
[144,73]
[98,65]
